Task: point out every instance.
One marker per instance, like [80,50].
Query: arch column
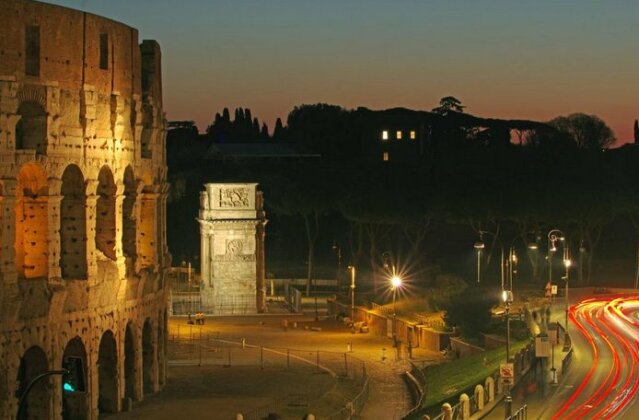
[119,254]
[90,225]
[148,249]
[53,231]
[7,239]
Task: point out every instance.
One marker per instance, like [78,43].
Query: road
[605,380]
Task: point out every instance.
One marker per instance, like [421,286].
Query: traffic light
[73,381]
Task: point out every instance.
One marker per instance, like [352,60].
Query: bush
[469,311]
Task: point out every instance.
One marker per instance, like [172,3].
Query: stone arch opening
[161,347]
[31,244]
[105,214]
[31,129]
[107,374]
[129,228]
[147,358]
[147,228]
[38,402]
[75,404]
[73,232]
[129,362]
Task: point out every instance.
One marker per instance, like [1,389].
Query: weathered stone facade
[82,210]
[232,223]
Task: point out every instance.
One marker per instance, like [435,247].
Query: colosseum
[83,194]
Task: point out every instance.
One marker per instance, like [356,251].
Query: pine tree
[264,132]
[636,131]
[279,129]
[226,115]
[256,129]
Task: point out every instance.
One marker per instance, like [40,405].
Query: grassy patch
[446,380]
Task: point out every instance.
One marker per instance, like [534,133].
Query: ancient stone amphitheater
[82,212]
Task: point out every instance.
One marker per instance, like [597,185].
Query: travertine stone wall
[232,223]
[82,209]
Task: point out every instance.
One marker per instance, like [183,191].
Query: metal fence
[192,345]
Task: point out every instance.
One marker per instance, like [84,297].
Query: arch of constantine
[82,210]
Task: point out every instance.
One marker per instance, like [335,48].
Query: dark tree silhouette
[447,104]
[587,131]
[636,132]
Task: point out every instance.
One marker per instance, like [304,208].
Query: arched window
[31,129]
[31,244]
[105,214]
[37,404]
[129,228]
[73,233]
[107,374]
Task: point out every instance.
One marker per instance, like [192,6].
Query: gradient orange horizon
[502,58]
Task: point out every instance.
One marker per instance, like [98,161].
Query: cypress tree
[637,131]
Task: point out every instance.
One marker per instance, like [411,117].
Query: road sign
[553,290]
[542,346]
[507,370]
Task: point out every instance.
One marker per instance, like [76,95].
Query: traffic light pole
[23,397]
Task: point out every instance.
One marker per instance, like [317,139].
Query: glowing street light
[396,283]
[479,246]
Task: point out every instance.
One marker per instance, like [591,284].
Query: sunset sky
[502,58]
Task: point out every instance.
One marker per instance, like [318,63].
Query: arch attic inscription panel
[232,222]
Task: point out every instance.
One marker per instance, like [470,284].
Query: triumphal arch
[232,223]
[82,212]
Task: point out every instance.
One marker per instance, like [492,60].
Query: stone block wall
[82,210]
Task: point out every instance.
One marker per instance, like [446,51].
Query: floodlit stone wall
[82,210]
[232,223]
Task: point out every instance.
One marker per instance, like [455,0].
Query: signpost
[507,374]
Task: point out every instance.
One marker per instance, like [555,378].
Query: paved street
[388,394]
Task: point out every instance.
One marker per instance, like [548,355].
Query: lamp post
[396,282]
[553,236]
[352,270]
[567,264]
[479,246]
[507,298]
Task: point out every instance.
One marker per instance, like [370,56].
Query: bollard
[239,416]
[447,412]
[349,347]
[243,343]
[464,403]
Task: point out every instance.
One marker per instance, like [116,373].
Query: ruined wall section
[73,115]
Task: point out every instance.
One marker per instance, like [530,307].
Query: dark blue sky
[502,58]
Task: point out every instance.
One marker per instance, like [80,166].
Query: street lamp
[507,298]
[553,236]
[479,246]
[352,270]
[567,264]
[396,283]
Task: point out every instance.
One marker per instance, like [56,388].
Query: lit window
[398,135]
[385,157]
[413,135]
[385,135]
